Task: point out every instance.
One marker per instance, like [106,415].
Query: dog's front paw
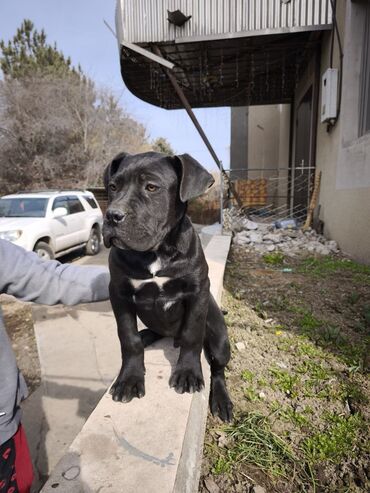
[220,403]
[126,387]
[187,380]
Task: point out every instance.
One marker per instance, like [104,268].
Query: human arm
[24,275]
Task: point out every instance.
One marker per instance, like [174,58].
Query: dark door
[301,178]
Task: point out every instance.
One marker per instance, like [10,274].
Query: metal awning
[230,53]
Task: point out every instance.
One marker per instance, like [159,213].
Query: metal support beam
[142,51]
[189,110]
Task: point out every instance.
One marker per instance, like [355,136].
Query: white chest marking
[168,304]
[159,281]
[153,269]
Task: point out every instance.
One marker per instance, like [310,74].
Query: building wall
[342,156]
[260,146]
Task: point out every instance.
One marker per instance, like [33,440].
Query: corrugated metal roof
[230,53]
[145,21]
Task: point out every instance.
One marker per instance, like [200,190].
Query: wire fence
[273,193]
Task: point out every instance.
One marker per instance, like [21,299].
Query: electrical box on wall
[329,90]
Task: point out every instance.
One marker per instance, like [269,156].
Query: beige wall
[342,156]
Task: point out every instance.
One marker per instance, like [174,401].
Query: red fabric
[23,462]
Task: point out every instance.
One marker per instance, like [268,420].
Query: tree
[162,145]
[57,129]
[28,54]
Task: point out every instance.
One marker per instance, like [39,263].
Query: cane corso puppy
[159,272]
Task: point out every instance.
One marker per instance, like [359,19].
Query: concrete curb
[153,444]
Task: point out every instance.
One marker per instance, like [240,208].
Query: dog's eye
[112,187]
[151,188]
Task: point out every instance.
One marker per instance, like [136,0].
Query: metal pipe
[190,112]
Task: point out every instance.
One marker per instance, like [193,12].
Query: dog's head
[147,195]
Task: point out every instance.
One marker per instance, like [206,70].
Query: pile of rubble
[266,237]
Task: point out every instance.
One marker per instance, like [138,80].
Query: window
[61,202]
[23,207]
[91,201]
[365,78]
[75,205]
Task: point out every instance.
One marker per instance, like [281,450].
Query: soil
[19,325]
[299,332]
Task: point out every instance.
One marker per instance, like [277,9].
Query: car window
[91,201]
[61,202]
[75,205]
[23,207]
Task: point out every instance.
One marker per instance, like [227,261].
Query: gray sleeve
[24,275]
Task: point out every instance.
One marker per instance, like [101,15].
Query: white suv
[52,223]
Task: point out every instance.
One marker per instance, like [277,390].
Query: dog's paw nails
[222,407]
[186,381]
[127,389]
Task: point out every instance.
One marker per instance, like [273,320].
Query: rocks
[211,486]
[240,346]
[258,489]
[266,238]
[255,237]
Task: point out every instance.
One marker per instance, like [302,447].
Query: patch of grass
[255,443]
[286,382]
[316,371]
[251,394]
[307,322]
[222,465]
[305,347]
[326,264]
[290,414]
[273,258]
[351,390]
[247,376]
[336,441]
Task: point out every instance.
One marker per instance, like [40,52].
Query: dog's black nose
[114,217]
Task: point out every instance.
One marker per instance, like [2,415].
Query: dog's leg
[149,337]
[188,376]
[217,351]
[130,380]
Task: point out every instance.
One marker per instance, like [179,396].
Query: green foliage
[286,381]
[255,443]
[337,441]
[221,466]
[162,145]
[247,376]
[29,54]
[324,266]
[274,258]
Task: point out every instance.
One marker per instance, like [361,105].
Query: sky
[78,29]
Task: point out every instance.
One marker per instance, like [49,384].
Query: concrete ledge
[151,445]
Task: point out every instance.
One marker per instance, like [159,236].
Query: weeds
[255,443]
[338,440]
[285,381]
[326,265]
[274,258]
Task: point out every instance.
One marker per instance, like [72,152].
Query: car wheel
[93,243]
[44,251]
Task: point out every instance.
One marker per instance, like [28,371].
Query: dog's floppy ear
[195,180]
[112,168]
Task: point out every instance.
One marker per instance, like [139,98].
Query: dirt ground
[299,331]
[19,325]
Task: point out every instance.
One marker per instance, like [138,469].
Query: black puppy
[159,272]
